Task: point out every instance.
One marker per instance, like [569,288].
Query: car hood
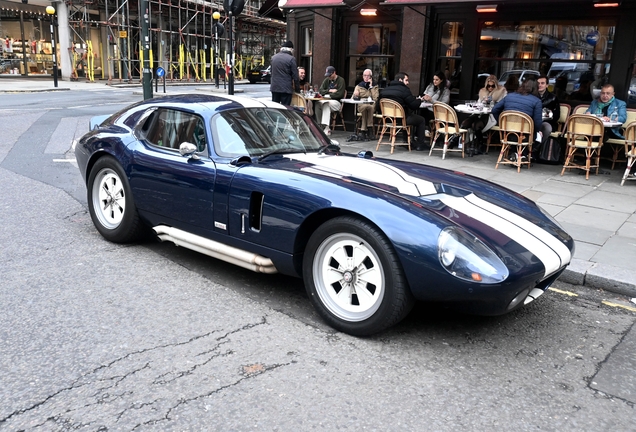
[464,200]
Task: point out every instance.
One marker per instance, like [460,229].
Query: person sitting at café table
[492,92]
[303,82]
[399,92]
[332,90]
[525,101]
[437,91]
[364,90]
[605,106]
[550,104]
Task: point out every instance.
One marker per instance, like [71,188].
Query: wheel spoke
[365,297]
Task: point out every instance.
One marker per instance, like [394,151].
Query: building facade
[579,45]
[101,39]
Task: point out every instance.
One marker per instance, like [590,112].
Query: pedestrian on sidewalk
[284,74]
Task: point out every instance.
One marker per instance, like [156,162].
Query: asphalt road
[97,336]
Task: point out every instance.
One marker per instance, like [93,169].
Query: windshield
[257,131]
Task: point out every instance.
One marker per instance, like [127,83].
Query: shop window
[306,46]
[450,53]
[631,96]
[371,46]
[574,55]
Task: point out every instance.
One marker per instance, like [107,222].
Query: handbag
[550,152]
[490,123]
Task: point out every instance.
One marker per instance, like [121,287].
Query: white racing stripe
[528,235]
[367,169]
[552,252]
[553,243]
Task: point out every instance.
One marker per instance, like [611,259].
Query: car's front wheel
[111,204]
[354,278]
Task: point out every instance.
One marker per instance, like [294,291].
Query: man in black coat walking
[399,92]
[284,74]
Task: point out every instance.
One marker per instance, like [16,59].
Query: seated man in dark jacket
[398,91]
[550,103]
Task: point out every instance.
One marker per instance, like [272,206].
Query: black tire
[111,204]
[353,258]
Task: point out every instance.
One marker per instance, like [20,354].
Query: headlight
[468,258]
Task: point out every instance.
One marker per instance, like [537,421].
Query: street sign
[160,72]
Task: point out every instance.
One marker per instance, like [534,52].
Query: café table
[466,109]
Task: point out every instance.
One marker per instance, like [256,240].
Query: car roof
[203,104]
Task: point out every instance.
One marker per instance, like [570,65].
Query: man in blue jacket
[523,100]
[608,107]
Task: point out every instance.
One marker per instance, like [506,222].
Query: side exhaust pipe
[239,257]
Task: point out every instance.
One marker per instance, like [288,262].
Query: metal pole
[230,86]
[51,11]
[54,48]
[216,17]
[147,73]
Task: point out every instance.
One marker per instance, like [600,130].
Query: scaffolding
[106,39]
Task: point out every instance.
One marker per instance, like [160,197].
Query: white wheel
[109,200]
[349,278]
[111,204]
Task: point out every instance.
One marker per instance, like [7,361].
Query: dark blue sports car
[259,185]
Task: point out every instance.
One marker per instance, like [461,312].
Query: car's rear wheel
[110,202]
[354,278]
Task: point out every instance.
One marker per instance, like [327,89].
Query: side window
[171,128]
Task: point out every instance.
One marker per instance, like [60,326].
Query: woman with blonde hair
[491,93]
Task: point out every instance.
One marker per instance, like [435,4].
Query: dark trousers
[282,98]
[477,122]
[418,124]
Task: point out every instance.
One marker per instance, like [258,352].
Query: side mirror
[189,150]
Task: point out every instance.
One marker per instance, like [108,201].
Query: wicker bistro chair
[516,132]
[584,132]
[492,132]
[446,124]
[338,114]
[299,102]
[617,145]
[393,121]
[630,150]
[580,109]
[564,113]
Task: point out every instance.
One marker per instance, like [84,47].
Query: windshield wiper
[329,149]
[285,150]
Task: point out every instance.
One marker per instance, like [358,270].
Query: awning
[424,2]
[401,2]
[309,4]
[270,10]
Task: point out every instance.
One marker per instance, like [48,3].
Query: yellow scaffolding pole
[181,60]
[202,56]
[90,62]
